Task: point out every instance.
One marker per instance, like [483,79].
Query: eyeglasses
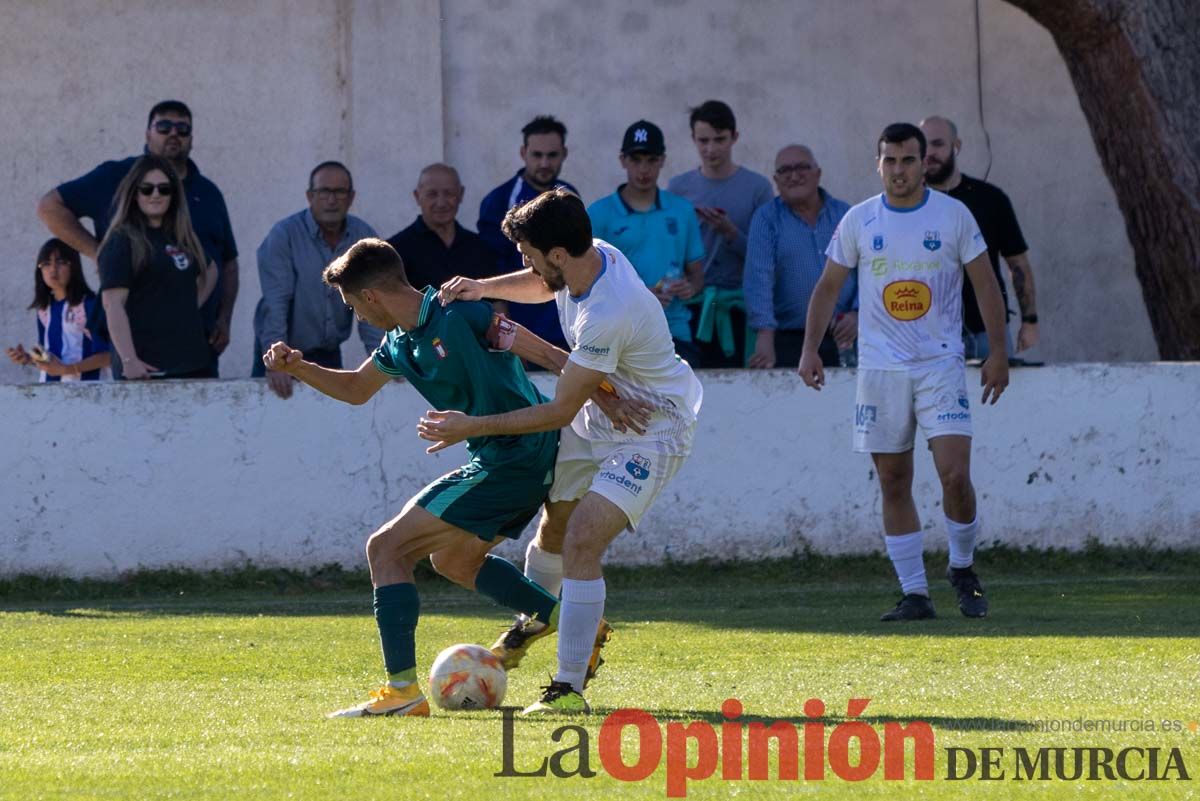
[164,190]
[325,193]
[792,169]
[164,127]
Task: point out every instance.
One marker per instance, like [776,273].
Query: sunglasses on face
[164,190]
[164,127]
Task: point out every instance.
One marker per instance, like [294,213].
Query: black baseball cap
[644,137]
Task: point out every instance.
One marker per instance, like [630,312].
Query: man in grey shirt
[296,306]
[725,195]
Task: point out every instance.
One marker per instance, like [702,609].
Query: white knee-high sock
[578,618]
[906,554]
[544,568]
[962,538]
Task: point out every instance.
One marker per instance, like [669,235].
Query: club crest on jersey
[178,256]
[877,242]
[933,240]
[438,347]
[638,467]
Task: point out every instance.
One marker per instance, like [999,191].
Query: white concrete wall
[279,85]
[108,477]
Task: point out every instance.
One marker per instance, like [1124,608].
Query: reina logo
[907,300]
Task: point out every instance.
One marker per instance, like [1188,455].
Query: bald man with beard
[998,222]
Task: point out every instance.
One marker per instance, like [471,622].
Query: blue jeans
[975,345]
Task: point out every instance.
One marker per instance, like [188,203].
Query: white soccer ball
[467,676]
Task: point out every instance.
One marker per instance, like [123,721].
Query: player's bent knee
[457,567]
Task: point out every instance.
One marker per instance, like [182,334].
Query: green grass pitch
[221,694]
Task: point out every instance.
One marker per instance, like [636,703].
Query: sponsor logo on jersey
[438,347]
[907,300]
[879,266]
[933,240]
[182,262]
[877,242]
[638,467]
[595,350]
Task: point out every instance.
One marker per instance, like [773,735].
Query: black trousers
[789,343]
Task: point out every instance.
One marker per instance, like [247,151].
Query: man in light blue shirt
[657,231]
[785,255]
[297,307]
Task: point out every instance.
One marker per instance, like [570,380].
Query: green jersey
[446,358]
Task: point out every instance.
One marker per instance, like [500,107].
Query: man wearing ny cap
[656,230]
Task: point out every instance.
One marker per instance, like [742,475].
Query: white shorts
[890,404]
[631,474]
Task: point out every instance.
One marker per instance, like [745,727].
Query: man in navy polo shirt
[168,134]
[656,230]
[543,151]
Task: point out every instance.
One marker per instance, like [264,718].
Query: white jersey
[910,274]
[618,327]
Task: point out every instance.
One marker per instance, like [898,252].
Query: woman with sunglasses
[68,347]
[154,276]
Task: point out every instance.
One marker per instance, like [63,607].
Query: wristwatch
[1029,318]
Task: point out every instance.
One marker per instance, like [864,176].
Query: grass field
[181,690]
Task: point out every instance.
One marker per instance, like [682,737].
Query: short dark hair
[168,107]
[543,124]
[368,264]
[326,165]
[899,132]
[554,219]
[717,114]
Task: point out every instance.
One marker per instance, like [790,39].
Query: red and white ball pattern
[467,676]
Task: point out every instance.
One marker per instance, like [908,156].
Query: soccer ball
[467,676]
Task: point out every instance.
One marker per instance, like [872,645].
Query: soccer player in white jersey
[605,479]
[911,246]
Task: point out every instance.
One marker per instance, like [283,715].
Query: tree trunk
[1136,67]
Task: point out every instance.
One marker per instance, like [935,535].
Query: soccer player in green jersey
[454,356]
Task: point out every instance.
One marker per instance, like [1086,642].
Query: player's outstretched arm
[520,287]
[625,413]
[994,373]
[820,312]
[351,386]
[574,388]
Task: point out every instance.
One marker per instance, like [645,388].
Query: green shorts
[490,500]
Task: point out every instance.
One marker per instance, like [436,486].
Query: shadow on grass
[1101,592]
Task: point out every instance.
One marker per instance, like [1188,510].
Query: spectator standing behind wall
[998,222]
[726,196]
[68,346]
[543,150]
[154,278]
[656,230]
[296,305]
[169,133]
[435,248]
[784,259]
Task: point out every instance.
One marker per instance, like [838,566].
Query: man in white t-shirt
[605,477]
[911,246]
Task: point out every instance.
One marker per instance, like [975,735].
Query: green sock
[397,607]
[500,580]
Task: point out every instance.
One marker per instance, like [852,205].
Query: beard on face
[941,174]
[554,281]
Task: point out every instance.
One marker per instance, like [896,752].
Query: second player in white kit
[911,246]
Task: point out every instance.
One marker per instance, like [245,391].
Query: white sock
[544,568]
[578,618]
[962,538]
[907,557]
